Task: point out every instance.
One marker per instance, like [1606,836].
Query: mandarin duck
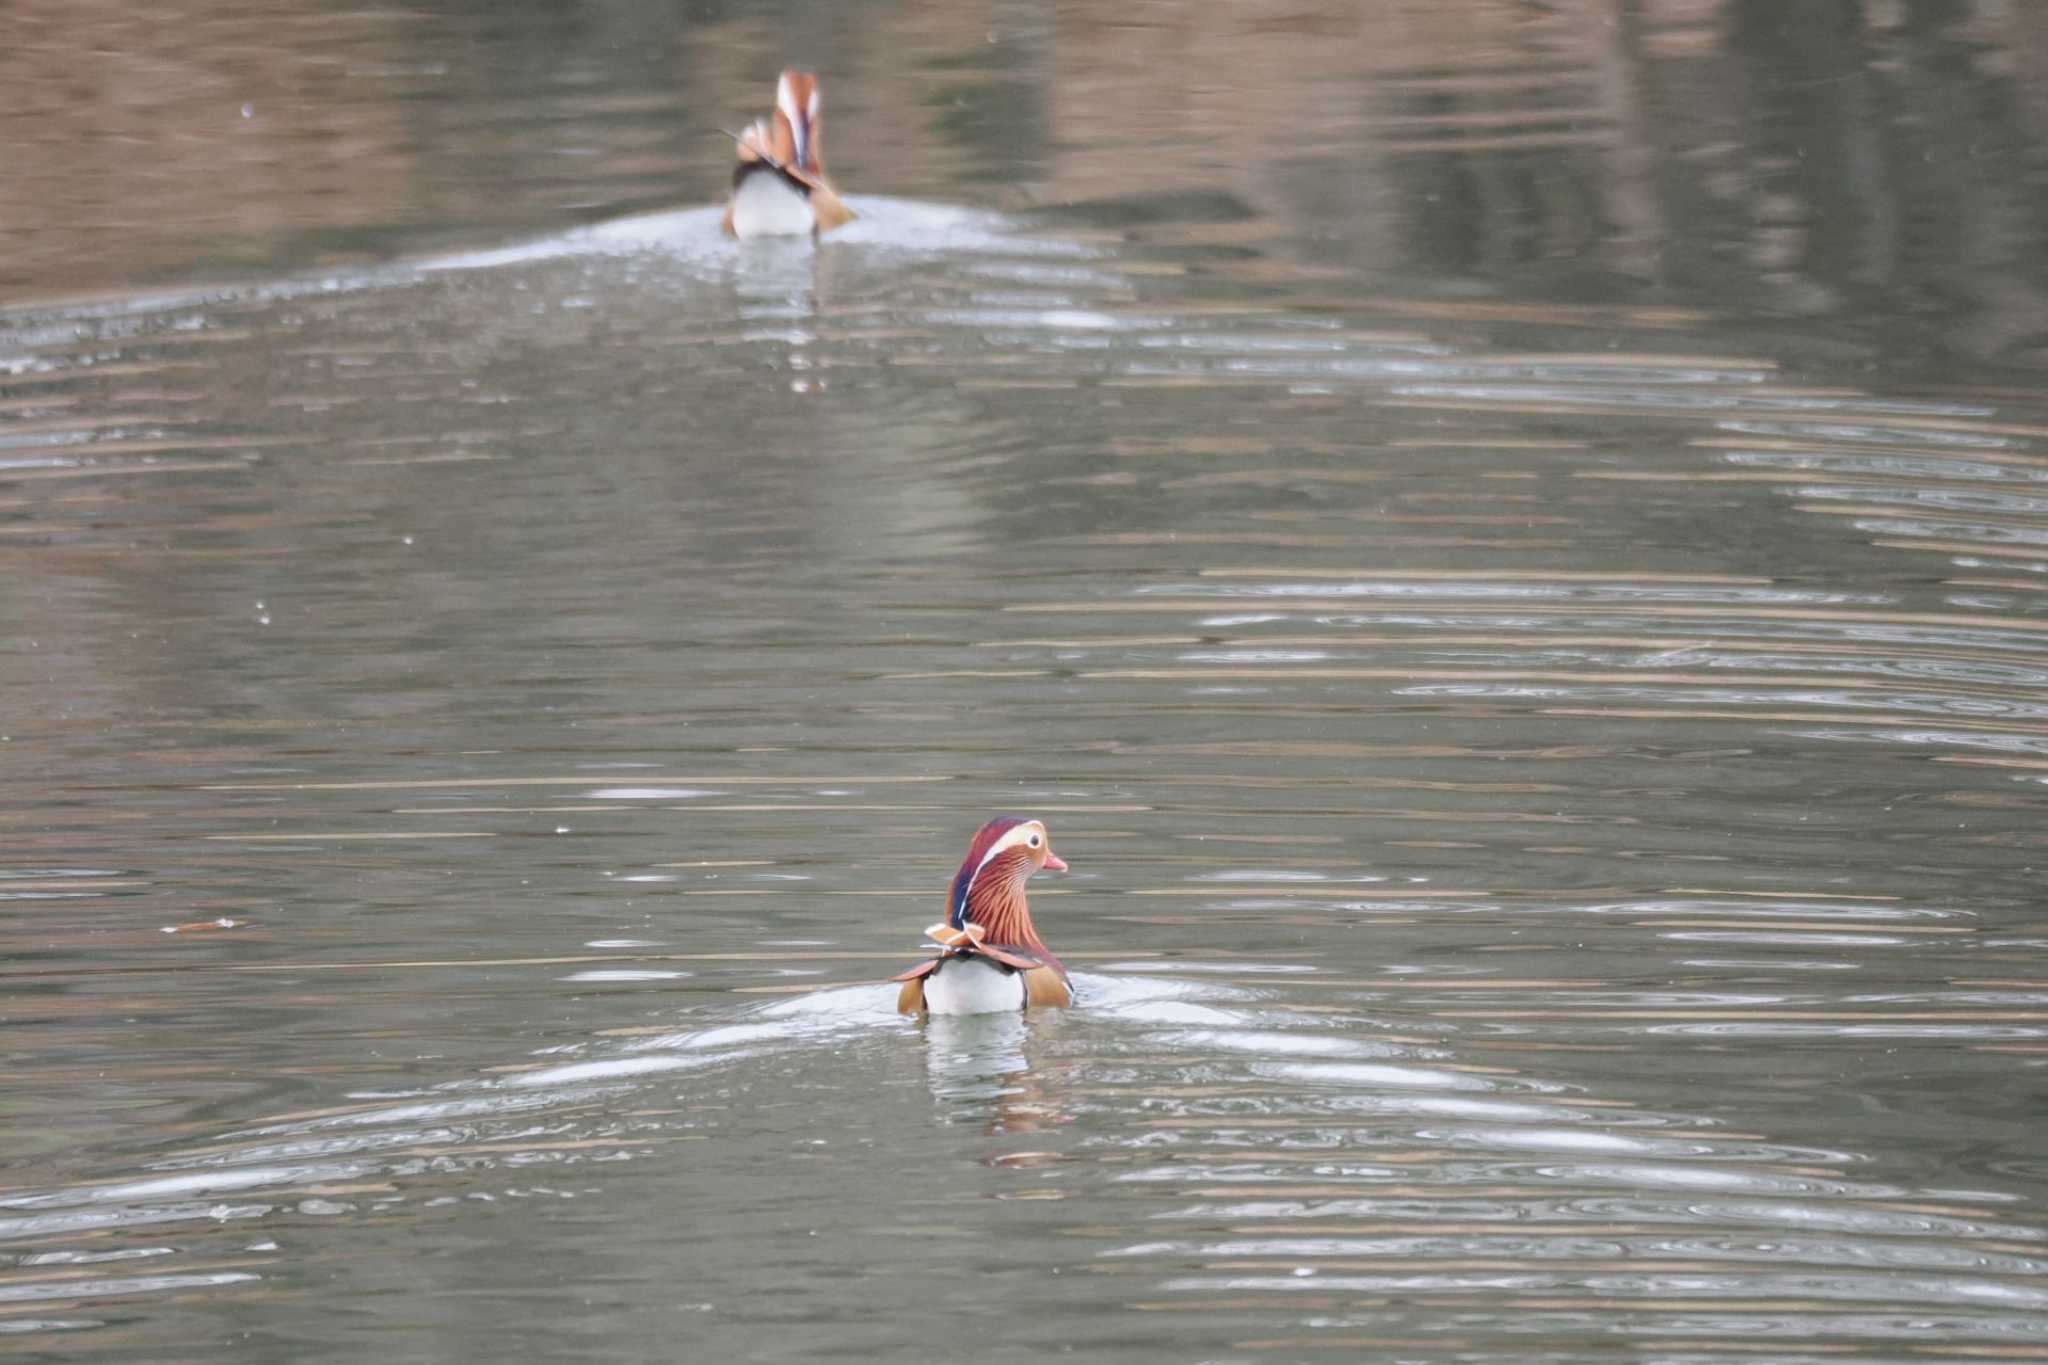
[990,957]
[779,187]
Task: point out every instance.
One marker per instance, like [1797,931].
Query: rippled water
[1553,771]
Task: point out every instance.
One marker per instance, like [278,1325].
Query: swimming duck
[990,957]
[779,187]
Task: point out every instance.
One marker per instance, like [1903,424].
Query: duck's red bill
[1054,862]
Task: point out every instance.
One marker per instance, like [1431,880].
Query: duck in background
[779,187]
[990,957]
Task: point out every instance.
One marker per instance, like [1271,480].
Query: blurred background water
[1507,541]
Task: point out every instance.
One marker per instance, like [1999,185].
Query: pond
[1507,543]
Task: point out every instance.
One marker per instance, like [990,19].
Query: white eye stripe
[1011,839]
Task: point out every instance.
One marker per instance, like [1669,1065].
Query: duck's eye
[1034,841]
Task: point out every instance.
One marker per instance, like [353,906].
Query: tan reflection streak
[724,862]
[610,778]
[1402,1264]
[1353,1190]
[1335,1229]
[627,807]
[1829,1016]
[1779,443]
[1293,1303]
[1895,511]
[1488,984]
[125,470]
[1473,81]
[1489,575]
[419,460]
[1277,478]
[604,808]
[2000,727]
[966,673]
[1987,761]
[1166,382]
[1424,637]
[1620,1303]
[1824,925]
[330,837]
[1593,405]
[809,891]
[1464,1192]
[1262,838]
[98,554]
[99,373]
[1380,517]
[1326,540]
[1371,1156]
[1761,1347]
[2027,554]
[151,445]
[1776,895]
[2018,584]
[1295,891]
[101,1272]
[1251,748]
[1566,313]
[1351,782]
[1480,443]
[1277,672]
[1634,360]
[1720,476]
[1732,612]
[1266,920]
[1976,1212]
[1347,1342]
[84,425]
[21,504]
[1094,642]
[1209,445]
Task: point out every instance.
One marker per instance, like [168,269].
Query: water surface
[1519,596]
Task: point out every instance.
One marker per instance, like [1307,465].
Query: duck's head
[989,887]
[799,110]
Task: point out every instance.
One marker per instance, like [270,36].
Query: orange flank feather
[830,208]
[1046,987]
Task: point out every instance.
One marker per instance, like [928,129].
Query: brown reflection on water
[1779,156]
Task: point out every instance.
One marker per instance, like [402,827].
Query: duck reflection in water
[980,1066]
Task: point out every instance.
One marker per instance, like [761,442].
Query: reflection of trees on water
[1806,157]
[1887,157]
[1792,156]
[1795,156]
